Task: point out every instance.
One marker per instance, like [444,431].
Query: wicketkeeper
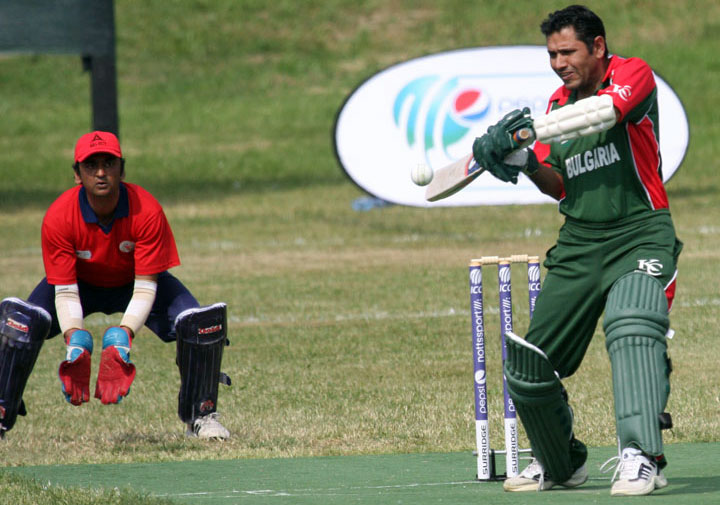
[616,253]
[107,247]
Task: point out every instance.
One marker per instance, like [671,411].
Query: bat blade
[451,178]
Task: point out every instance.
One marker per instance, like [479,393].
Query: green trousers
[582,267]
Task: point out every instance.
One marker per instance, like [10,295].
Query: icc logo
[436,113]
[623,92]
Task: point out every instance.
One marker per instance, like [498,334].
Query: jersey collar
[89,216]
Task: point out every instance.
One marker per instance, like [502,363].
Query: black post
[84,27]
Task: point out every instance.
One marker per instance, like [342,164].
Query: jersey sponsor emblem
[83,255]
[651,267]
[623,92]
[126,246]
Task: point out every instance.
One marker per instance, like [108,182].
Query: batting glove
[116,372]
[74,372]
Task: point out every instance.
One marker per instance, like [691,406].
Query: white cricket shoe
[207,427]
[534,478]
[639,475]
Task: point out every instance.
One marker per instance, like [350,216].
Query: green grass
[350,331]
[21,490]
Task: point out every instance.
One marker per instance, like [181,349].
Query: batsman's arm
[585,117]
[590,115]
[548,181]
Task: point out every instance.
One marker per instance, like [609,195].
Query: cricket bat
[450,179]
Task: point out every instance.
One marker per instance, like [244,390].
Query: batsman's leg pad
[201,337]
[636,322]
[541,402]
[23,329]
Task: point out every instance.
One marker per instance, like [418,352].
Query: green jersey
[617,173]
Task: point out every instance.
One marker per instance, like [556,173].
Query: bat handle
[523,136]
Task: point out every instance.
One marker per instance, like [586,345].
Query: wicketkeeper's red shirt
[76,247]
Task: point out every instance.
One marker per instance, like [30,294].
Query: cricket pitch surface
[693,474]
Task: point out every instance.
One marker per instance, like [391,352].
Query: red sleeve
[632,81]
[57,247]
[542,151]
[155,249]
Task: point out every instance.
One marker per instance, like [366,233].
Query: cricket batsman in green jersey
[616,253]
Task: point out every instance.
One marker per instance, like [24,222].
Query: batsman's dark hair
[586,23]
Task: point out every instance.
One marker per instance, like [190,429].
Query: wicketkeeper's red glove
[74,372]
[116,372]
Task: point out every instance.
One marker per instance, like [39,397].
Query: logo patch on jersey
[623,92]
[591,159]
[126,246]
[83,255]
[651,267]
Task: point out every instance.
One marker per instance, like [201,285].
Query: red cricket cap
[96,142]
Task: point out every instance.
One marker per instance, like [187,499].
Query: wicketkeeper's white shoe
[533,478]
[208,427]
[639,475]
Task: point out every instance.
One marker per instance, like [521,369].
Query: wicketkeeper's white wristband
[68,307]
[140,305]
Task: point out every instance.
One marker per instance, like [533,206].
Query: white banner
[430,109]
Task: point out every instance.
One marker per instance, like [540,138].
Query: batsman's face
[579,68]
[100,175]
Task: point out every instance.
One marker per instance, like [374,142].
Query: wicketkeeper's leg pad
[23,329]
[201,337]
[540,401]
[636,323]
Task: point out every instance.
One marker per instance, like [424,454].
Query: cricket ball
[421,174]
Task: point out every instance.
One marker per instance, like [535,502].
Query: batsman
[107,247]
[616,254]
